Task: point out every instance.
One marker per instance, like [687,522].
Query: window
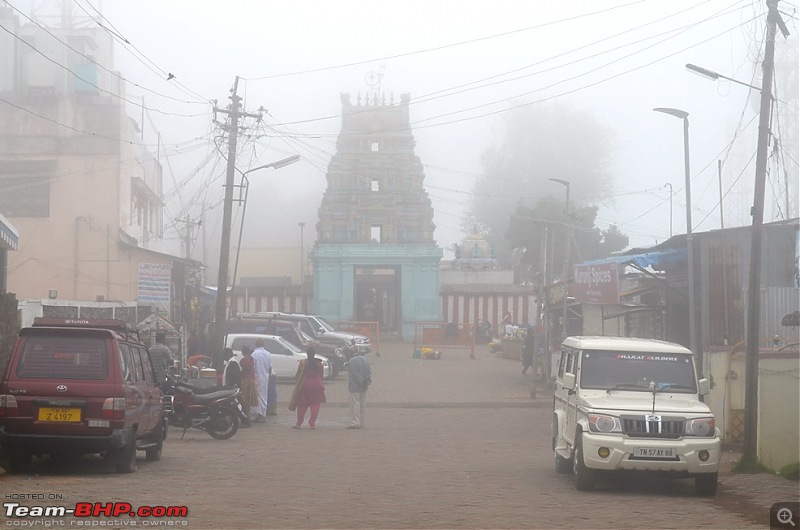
[125,363]
[64,358]
[375,147]
[375,233]
[376,185]
[137,363]
[147,368]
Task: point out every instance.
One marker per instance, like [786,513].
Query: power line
[77,76]
[444,46]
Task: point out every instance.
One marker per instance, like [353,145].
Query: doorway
[376,293]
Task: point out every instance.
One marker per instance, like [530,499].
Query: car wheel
[706,484]
[584,477]
[125,457]
[19,459]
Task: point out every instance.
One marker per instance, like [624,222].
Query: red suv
[77,386]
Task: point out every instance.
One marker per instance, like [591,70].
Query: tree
[549,141]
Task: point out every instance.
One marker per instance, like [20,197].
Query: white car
[285,355]
[633,404]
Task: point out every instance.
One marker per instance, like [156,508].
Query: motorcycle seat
[205,399]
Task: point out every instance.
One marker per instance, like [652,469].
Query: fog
[465,65]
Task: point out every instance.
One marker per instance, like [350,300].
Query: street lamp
[566,257]
[220,312]
[683,115]
[752,333]
[669,185]
[302,268]
[714,76]
[276,165]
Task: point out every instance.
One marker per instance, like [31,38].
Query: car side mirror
[703,387]
[568,381]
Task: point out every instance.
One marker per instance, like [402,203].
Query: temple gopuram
[375,258]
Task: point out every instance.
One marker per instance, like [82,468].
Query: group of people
[253,376]
[258,385]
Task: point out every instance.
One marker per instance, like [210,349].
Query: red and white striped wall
[471,307]
[461,308]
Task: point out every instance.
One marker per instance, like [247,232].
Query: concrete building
[76,180]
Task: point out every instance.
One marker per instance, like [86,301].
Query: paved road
[453,443]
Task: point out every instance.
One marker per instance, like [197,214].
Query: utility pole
[754,284]
[220,313]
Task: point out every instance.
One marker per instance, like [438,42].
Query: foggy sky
[617,59]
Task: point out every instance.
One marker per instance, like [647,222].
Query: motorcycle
[216,411]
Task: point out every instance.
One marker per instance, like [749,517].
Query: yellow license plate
[59,414]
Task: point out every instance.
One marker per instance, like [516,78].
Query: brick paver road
[450,443]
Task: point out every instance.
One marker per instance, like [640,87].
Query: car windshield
[64,358]
[611,370]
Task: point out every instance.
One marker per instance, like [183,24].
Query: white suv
[285,355]
[632,404]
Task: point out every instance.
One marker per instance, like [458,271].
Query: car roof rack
[125,329]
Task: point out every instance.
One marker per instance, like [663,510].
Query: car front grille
[653,426]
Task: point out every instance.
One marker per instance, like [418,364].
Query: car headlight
[604,423]
[701,427]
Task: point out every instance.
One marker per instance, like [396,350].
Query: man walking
[263,368]
[359,377]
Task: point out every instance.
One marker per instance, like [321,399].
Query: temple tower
[375,258]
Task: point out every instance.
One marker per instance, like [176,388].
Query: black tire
[19,459]
[125,458]
[224,423]
[584,477]
[706,484]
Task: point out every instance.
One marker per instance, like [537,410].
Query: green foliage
[749,465]
[515,199]
[791,471]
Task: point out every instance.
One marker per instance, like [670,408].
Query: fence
[445,335]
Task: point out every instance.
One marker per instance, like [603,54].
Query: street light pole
[697,352]
[302,269]
[669,185]
[566,257]
[754,284]
[753,323]
[246,185]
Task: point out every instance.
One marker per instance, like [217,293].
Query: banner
[154,285]
[596,284]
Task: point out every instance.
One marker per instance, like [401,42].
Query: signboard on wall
[596,284]
[154,285]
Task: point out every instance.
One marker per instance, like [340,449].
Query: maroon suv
[76,386]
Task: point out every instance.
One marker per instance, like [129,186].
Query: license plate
[655,452]
[59,414]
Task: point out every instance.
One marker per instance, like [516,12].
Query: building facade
[375,258]
[82,189]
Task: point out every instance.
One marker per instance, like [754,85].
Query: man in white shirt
[262,360]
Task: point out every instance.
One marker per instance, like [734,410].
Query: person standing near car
[232,374]
[262,361]
[359,377]
[248,388]
[311,391]
[161,357]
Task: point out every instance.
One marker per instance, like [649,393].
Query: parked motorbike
[483,332]
[215,412]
